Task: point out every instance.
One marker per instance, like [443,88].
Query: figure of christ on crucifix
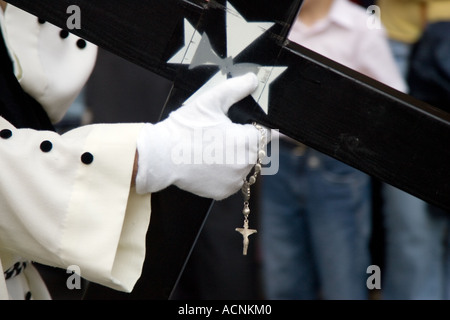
[246,232]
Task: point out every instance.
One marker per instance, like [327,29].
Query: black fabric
[16,105]
[429,73]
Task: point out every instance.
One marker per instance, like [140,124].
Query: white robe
[71,205]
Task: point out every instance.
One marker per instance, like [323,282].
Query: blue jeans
[315,228]
[417,249]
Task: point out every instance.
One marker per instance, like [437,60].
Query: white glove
[198,148]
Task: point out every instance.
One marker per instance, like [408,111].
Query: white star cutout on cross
[197,51]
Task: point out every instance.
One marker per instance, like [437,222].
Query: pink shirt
[344,36]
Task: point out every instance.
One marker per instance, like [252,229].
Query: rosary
[245,231]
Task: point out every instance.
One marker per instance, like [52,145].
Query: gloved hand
[198,148]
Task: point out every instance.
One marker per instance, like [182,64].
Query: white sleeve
[50,64]
[66,200]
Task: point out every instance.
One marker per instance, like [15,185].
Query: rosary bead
[246,191]
[246,211]
[258,168]
[261,154]
[252,180]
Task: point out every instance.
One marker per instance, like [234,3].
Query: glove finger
[224,95]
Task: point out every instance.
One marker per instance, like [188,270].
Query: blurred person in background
[316,211]
[417,241]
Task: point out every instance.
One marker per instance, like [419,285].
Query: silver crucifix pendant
[246,232]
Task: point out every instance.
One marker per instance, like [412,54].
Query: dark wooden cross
[355,119]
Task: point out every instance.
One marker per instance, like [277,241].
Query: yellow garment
[405,19]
